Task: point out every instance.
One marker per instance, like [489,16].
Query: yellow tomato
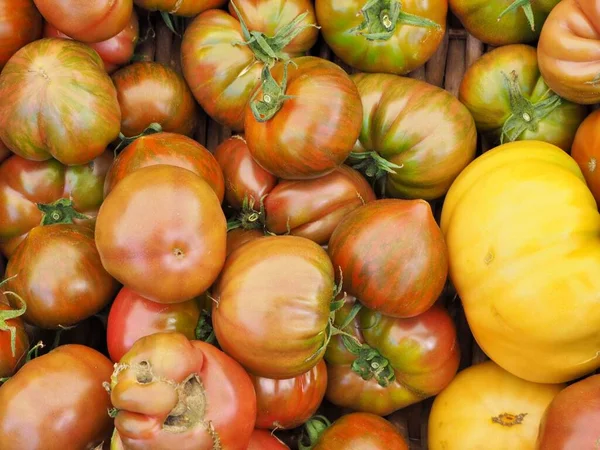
[486,407]
[523,235]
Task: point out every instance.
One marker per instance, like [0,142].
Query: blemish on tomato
[509,420]
[489,257]
[592,164]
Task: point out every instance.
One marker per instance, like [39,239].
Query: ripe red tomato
[21,24]
[14,341]
[288,403]
[116,51]
[288,136]
[586,151]
[171,393]
[162,233]
[392,256]
[238,237]
[180,7]
[63,194]
[150,92]
[272,302]
[171,149]
[58,273]
[57,402]
[263,440]
[76,121]
[89,21]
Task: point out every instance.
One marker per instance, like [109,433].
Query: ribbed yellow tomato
[523,235]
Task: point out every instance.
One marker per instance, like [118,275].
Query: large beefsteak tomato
[21,24]
[586,151]
[180,7]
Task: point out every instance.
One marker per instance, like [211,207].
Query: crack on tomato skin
[190,408]
[592,164]
[509,420]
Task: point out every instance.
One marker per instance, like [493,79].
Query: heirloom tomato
[502,22]
[116,51]
[569,49]
[572,421]
[21,24]
[89,21]
[417,135]
[171,393]
[239,236]
[510,101]
[14,341]
[485,404]
[57,271]
[383,35]
[288,403]
[170,149]
[75,122]
[285,127]
[34,192]
[414,359]
[523,234]
[263,440]
[180,7]
[392,256]
[222,56]
[57,402]
[272,305]
[161,232]
[586,151]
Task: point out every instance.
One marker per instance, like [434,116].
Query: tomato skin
[90,21]
[162,233]
[64,297]
[171,149]
[238,237]
[219,392]
[408,48]
[586,152]
[485,93]
[31,130]
[187,8]
[4,152]
[244,178]
[24,183]
[263,440]
[57,401]
[313,208]
[260,305]
[288,403]
[571,420]
[21,24]
[9,363]
[392,256]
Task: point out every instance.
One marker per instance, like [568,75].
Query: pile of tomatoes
[286,291]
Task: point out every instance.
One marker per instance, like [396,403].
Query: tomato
[90,21]
[244,178]
[568,51]
[167,148]
[422,136]
[523,235]
[57,401]
[116,51]
[238,237]
[161,232]
[47,191]
[76,121]
[509,99]
[4,152]
[572,420]
[288,403]
[222,62]
[14,341]
[263,440]
[180,7]
[132,317]
[485,404]
[383,35]
[272,304]
[58,273]
[586,152]
[502,22]
[21,24]
[176,394]
[392,256]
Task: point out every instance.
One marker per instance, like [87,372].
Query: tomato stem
[61,211]
[313,430]
[124,141]
[9,314]
[527,9]
[273,95]
[204,329]
[249,218]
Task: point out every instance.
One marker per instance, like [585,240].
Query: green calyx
[273,95]
[527,9]
[313,429]
[382,16]
[61,211]
[249,218]
[204,329]
[369,363]
[525,115]
[373,165]
[173,22]
[6,315]
[124,141]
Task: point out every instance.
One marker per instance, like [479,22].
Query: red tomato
[76,121]
[586,151]
[89,21]
[392,256]
[116,51]
[57,402]
[162,233]
[180,7]
[263,440]
[58,273]
[171,149]
[21,24]
[171,393]
[238,237]
[288,136]
[14,341]
[63,194]
[288,403]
